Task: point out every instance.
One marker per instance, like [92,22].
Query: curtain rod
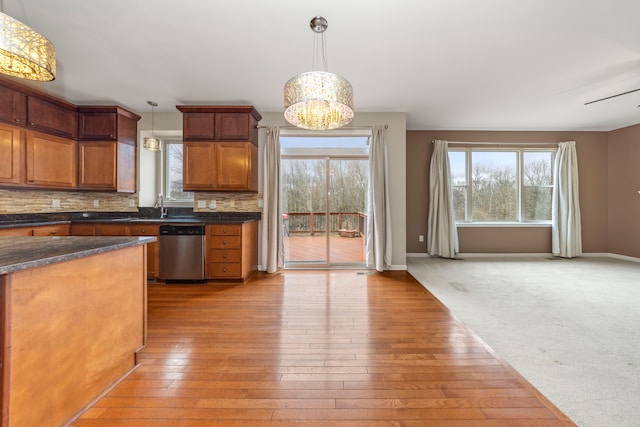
[500,143]
[342,128]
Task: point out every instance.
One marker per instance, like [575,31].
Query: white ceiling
[449,64]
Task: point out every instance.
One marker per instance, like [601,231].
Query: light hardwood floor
[315,348]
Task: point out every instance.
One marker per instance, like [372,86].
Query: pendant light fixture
[25,53]
[151,143]
[318,99]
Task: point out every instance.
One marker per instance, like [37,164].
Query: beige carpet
[571,327]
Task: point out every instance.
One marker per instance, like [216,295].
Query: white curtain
[378,209]
[566,233]
[272,254]
[442,234]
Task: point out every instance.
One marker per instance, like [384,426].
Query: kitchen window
[501,186]
[172,173]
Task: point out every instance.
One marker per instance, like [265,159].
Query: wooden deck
[305,248]
[315,348]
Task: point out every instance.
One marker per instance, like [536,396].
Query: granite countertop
[26,220]
[21,253]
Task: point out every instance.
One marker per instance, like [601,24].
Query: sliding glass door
[323,205]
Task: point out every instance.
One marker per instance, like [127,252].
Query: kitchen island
[73,317]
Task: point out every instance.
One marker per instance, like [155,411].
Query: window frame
[520,214]
[164,176]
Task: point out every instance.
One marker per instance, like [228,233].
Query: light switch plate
[202,203]
[56,203]
[213,204]
[132,203]
[232,203]
[96,203]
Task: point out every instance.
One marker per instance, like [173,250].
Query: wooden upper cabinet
[12,154]
[219,123]
[106,166]
[51,161]
[58,118]
[237,166]
[107,123]
[95,125]
[198,127]
[220,166]
[198,166]
[13,106]
[107,148]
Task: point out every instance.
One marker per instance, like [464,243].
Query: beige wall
[623,187]
[592,167]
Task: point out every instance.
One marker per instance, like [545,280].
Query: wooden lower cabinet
[110,229]
[153,249]
[41,230]
[232,250]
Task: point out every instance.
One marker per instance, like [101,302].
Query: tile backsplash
[38,201]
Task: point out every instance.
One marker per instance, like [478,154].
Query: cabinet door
[232,126]
[235,166]
[51,161]
[198,171]
[198,126]
[97,165]
[13,106]
[52,118]
[111,230]
[16,231]
[153,249]
[83,230]
[100,126]
[11,155]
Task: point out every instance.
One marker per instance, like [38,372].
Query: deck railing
[316,222]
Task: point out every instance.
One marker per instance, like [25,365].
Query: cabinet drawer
[224,230]
[144,230]
[224,255]
[223,269]
[223,242]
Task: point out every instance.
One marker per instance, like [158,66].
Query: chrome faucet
[160,204]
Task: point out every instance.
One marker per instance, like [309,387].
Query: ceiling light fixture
[151,143]
[318,100]
[25,53]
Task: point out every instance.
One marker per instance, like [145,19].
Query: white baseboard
[624,257]
[529,255]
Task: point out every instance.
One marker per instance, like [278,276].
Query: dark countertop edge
[128,221]
[102,244]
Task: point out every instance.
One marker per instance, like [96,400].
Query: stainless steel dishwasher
[181,252]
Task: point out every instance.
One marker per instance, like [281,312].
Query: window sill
[503,224]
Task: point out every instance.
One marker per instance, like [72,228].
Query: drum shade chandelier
[25,53]
[151,143]
[318,100]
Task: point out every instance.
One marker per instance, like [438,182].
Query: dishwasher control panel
[181,230]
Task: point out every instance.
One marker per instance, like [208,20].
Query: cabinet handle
[31,180]
[224,256]
[31,124]
[224,231]
[53,232]
[111,136]
[224,270]
[17,120]
[224,242]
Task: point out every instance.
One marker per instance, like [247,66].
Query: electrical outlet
[132,203]
[232,203]
[421,238]
[213,204]
[261,202]
[55,203]
[202,203]
[96,203]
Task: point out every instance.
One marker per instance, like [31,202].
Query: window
[173,173]
[491,186]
